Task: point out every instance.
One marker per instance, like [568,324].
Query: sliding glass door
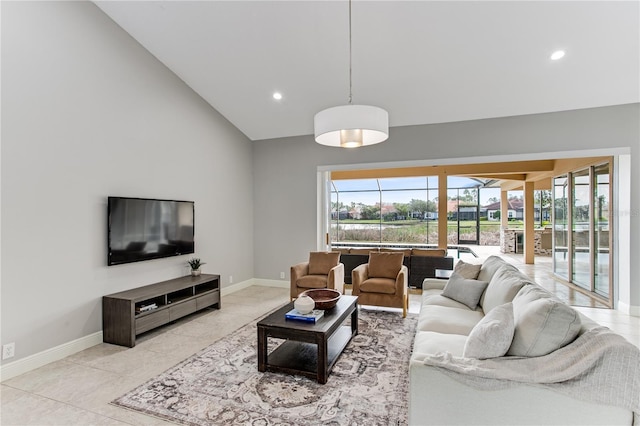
[561,226]
[601,227]
[581,224]
[581,229]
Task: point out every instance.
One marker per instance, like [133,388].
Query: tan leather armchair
[323,270]
[382,282]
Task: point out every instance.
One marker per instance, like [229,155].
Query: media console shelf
[129,313]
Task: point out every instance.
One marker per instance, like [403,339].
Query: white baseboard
[236,287]
[24,365]
[253,281]
[272,283]
[634,311]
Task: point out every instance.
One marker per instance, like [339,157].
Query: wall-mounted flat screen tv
[144,229]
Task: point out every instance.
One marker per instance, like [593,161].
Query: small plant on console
[195,264]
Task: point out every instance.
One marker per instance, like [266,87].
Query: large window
[404,211]
[581,224]
[391,210]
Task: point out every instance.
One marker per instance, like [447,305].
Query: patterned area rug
[221,384]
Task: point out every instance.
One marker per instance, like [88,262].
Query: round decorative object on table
[195,272]
[304,304]
[325,298]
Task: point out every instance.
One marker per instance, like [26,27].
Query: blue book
[312,316]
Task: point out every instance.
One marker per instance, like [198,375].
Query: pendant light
[351,126]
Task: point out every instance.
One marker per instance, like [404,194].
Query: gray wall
[285,170]
[87,113]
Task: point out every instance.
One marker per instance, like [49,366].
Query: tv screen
[144,229]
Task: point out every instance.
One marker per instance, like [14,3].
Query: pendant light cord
[350,65]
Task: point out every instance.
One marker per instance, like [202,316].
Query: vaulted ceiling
[424,61]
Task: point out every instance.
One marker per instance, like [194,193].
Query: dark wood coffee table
[310,349]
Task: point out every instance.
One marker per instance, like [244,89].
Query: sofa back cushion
[531,292]
[406,252]
[543,325]
[385,265]
[429,252]
[489,267]
[320,263]
[503,287]
[362,250]
[464,290]
[492,336]
[342,250]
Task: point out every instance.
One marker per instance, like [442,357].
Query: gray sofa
[519,357]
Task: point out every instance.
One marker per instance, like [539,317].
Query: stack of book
[312,316]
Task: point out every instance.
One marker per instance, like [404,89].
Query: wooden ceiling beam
[511,174]
[538,185]
[513,167]
[500,168]
[505,176]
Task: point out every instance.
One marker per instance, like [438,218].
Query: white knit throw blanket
[599,366]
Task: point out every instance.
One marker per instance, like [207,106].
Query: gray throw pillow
[469,271]
[464,291]
[492,336]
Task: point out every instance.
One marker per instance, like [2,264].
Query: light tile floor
[77,390]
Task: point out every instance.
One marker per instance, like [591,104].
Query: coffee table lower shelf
[309,349]
[301,358]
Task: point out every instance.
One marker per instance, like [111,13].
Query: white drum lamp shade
[351,126]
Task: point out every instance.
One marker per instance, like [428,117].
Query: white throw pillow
[492,336]
[469,271]
[542,326]
[464,291]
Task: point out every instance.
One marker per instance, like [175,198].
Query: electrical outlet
[282,275]
[8,350]
[230,279]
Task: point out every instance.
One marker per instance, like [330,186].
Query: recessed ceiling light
[277,96]
[558,54]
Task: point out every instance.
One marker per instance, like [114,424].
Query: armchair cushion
[320,263]
[379,285]
[385,265]
[312,281]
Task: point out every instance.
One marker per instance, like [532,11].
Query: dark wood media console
[129,313]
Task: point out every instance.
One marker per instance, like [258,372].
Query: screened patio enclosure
[562,205]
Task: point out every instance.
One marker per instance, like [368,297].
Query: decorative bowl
[325,298]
